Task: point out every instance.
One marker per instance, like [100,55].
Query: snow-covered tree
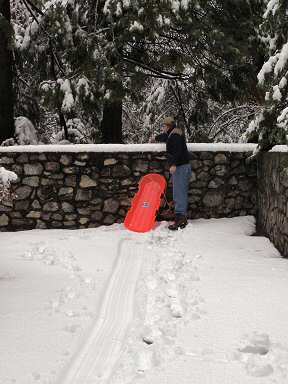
[53,37]
[92,55]
[25,133]
[208,121]
[210,66]
[271,124]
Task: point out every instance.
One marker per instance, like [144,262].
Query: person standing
[179,168]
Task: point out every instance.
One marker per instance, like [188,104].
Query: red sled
[145,205]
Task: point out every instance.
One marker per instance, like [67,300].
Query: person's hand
[172,169]
[152,139]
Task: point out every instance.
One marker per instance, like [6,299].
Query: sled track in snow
[94,362]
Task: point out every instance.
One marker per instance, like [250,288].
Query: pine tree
[57,41]
[100,52]
[271,125]
[6,73]
[208,54]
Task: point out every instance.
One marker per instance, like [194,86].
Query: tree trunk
[111,125]
[62,120]
[6,73]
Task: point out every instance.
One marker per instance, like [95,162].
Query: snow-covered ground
[206,305]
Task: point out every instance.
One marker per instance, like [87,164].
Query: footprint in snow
[257,344]
[262,358]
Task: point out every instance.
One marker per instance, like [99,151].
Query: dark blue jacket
[176,147]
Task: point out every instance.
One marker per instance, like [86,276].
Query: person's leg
[180,180]
[188,174]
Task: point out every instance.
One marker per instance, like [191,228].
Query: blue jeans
[180,180]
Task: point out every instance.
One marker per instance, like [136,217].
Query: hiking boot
[180,222]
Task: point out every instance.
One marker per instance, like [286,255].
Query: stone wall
[80,190]
[273,198]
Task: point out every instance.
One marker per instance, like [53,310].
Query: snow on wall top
[279,148]
[193,147]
